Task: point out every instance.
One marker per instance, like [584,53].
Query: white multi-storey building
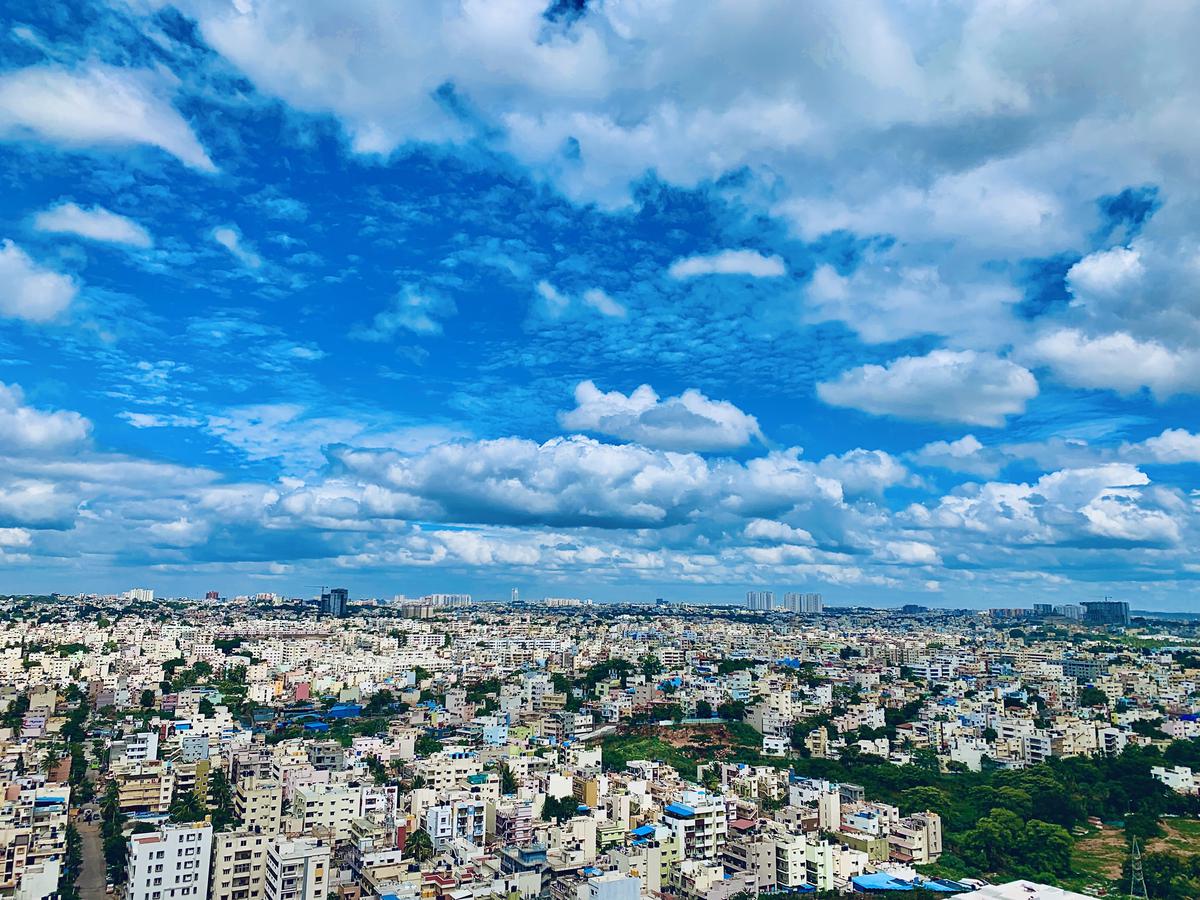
[297,870]
[171,863]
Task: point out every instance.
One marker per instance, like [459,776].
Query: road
[91,879]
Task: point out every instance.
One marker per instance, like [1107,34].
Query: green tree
[508,781]
[419,845]
[1092,696]
[187,808]
[222,801]
[148,699]
[704,709]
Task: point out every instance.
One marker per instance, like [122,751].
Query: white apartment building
[172,863]
[447,769]
[297,870]
[1180,779]
[700,823]
[459,817]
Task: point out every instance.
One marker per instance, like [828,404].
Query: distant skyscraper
[760,601]
[1106,612]
[141,595]
[516,595]
[333,602]
[1072,611]
[808,604]
[213,595]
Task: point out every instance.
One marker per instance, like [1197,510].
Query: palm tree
[419,845]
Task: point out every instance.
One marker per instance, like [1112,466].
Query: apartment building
[172,863]
[700,823]
[324,810]
[258,805]
[297,870]
[239,864]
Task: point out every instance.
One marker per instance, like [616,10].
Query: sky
[620,299]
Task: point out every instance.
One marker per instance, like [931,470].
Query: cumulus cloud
[97,224]
[420,312]
[1173,446]
[24,429]
[864,471]
[578,482]
[943,386]
[966,454]
[1094,506]
[1117,361]
[690,421]
[729,262]
[28,291]
[98,106]
[231,239]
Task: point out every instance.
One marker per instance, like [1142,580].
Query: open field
[1099,855]
[683,747]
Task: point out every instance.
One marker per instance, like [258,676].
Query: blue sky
[608,299]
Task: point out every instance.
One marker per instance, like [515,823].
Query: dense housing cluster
[269,749]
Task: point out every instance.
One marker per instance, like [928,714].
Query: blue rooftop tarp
[643,831]
[679,809]
[945,887]
[880,881]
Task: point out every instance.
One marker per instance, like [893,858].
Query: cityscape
[599,450]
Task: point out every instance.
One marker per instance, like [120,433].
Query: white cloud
[231,239]
[98,106]
[864,471]
[884,301]
[554,304]
[779,532]
[24,429]
[729,262]
[966,454]
[942,386]
[1094,506]
[28,291]
[1105,272]
[603,304]
[160,420]
[1117,361]
[97,223]
[690,421]
[412,310]
[1173,446]
[297,436]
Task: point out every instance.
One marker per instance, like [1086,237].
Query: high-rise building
[1071,611]
[760,600]
[140,595]
[447,599]
[213,595]
[809,604]
[172,863]
[333,602]
[1105,612]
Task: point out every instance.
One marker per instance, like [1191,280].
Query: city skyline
[895,306]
